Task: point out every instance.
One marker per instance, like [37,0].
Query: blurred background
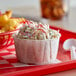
[21,8]
[5,4]
[31,9]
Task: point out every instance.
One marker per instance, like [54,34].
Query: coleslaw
[37,31]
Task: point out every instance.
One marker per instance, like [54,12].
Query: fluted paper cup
[54,44]
[36,51]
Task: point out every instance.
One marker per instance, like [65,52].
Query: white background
[17,3]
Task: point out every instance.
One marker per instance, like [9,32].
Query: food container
[54,9]
[36,51]
[44,8]
[6,39]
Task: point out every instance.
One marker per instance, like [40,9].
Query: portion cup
[37,52]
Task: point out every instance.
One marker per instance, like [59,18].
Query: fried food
[3,18]
[7,23]
[9,13]
[53,9]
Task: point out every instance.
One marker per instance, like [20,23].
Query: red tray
[66,64]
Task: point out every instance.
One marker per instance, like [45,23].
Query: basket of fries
[8,26]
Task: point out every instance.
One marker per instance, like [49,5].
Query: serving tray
[9,65]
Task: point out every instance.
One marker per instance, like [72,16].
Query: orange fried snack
[8,13]
[7,23]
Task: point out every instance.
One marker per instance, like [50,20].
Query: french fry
[2,31]
[12,22]
[7,23]
[3,18]
[9,13]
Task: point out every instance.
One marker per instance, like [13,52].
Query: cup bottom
[54,61]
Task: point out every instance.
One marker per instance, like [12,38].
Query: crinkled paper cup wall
[36,51]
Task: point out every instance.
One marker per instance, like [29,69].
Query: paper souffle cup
[36,51]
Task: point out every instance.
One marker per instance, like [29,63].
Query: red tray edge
[48,69]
